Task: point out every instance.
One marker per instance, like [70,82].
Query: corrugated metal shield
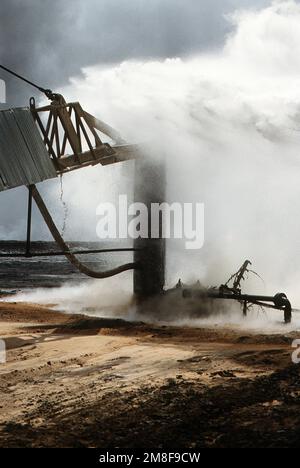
[24,159]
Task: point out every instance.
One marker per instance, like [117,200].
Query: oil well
[38,144]
[42,143]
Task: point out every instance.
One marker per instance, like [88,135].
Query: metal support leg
[29,218]
[245,309]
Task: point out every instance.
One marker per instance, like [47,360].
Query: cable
[47,92]
[64,205]
[64,247]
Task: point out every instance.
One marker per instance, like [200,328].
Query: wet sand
[75,381]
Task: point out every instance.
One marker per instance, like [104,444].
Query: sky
[216,83]
[51,40]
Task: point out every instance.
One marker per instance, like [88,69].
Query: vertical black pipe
[150,187]
[29,218]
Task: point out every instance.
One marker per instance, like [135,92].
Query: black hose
[64,247]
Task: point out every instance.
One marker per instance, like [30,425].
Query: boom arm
[73,137]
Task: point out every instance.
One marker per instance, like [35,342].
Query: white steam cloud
[229,123]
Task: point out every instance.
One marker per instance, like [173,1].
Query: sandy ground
[74,381]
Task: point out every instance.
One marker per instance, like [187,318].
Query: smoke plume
[229,123]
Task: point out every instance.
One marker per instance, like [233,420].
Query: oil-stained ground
[72,381]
